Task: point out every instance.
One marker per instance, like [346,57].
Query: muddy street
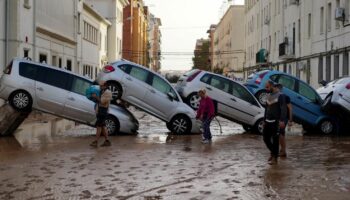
[39,164]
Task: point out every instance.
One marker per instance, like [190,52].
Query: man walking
[206,113]
[103,102]
[275,116]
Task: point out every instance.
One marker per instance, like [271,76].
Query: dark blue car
[305,100]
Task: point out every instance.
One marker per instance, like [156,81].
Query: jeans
[206,128]
[271,137]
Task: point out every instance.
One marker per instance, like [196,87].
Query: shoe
[94,144]
[283,154]
[270,158]
[107,143]
[273,161]
[205,141]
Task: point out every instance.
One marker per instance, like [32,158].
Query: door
[245,100]
[157,99]
[52,90]
[77,106]
[135,86]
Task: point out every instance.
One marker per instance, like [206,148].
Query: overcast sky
[183,22]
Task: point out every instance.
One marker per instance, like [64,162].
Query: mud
[156,165]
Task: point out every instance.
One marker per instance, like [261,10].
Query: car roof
[222,77]
[21,60]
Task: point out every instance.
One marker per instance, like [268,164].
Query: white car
[337,93]
[149,92]
[233,100]
[28,85]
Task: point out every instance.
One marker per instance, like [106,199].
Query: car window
[307,92]
[206,78]
[80,85]
[220,83]
[54,78]
[240,92]
[28,70]
[274,78]
[160,85]
[125,68]
[287,82]
[139,73]
[190,73]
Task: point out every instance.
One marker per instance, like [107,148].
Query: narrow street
[40,164]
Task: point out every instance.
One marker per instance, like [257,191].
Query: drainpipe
[34,30]
[7,8]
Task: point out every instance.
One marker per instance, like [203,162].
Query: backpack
[94,89]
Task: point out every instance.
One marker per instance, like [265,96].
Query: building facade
[155,40]
[229,42]
[306,38]
[211,32]
[135,32]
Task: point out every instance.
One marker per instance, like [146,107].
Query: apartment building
[229,42]
[155,40]
[306,38]
[211,32]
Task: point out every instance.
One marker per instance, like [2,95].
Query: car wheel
[259,126]
[327,127]
[21,101]
[262,97]
[112,125]
[327,103]
[247,128]
[180,124]
[193,101]
[116,90]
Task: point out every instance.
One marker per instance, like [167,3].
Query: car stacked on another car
[233,101]
[305,100]
[336,93]
[28,85]
[149,92]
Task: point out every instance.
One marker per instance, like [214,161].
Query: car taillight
[260,78]
[108,69]
[348,86]
[193,76]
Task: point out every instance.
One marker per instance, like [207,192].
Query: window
[274,78]
[308,71]
[287,82]
[28,70]
[26,53]
[345,64]
[321,20]
[309,26]
[320,69]
[69,65]
[60,62]
[90,33]
[80,85]
[160,85]
[307,92]
[206,78]
[54,78]
[125,68]
[337,24]
[329,17]
[139,73]
[220,83]
[54,61]
[42,58]
[328,68]
[336,66]
[240,92]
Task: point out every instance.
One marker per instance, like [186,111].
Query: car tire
[262,97]
[180,125]
[112,125]
[21,101]
[327,103]
[327,127]
[116,90]
[193,101]
[247,128]
[259,126]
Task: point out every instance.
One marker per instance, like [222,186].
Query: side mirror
[171,96]
[323,83]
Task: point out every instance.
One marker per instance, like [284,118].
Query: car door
[249,107]
[158,100]
[135,86]
[77,106]
[52,90]
[308,103]
[227,105]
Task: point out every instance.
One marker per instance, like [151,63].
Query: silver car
[336,92]
[28,85]
[233,100]
[151,93]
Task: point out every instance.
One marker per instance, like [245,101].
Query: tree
[201,59]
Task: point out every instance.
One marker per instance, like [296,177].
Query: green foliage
[201,59]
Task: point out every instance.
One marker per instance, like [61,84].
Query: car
[29,85]
[336,93]
[150,92]
[233,100]
[305,100]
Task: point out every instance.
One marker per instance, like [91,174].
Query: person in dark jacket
[275,117]
[206,113]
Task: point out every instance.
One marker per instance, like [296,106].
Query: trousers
[271,137]
[206,128]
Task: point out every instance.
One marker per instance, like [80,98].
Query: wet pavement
[40,164]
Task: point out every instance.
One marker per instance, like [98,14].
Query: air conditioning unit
[294,2]
[339,14]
